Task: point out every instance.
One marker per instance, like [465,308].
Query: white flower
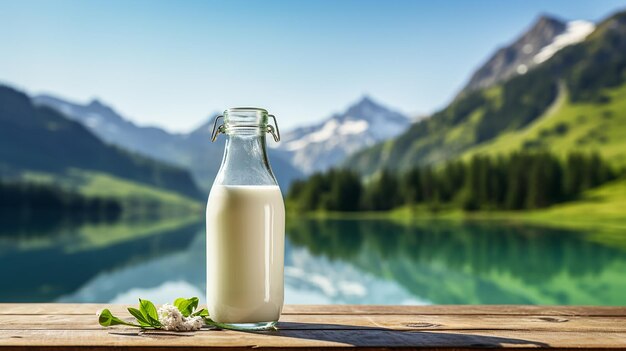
[171,319]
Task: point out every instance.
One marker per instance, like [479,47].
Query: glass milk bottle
[245,226]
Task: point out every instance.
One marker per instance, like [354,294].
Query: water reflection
[163,278]
[327,261]
[474,262]
[308,279]
[43,266]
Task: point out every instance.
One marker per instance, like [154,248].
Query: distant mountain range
[326,144]
[301,151]
[193,150]
[572,98]
[40,139]
[111,127]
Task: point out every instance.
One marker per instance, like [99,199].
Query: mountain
[321,146]
[574,101]
[193,150]
[544,38]
[40,139]
[111,127]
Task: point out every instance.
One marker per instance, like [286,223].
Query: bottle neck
[245,161]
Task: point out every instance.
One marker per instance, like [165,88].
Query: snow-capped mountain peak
[323,145]
[575,32]
[543,39]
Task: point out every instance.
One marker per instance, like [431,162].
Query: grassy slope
[604,207]
[597,127]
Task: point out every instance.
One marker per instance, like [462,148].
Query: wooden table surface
[75,327]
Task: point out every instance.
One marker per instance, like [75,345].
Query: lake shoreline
[404,215]
[603,209]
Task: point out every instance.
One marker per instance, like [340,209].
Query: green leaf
[186,306]
[179,301]
[202,313]
[182,307]
[107,319]
[140,318]
[192,305]
[149,312]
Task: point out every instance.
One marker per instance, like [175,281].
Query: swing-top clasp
[245,118]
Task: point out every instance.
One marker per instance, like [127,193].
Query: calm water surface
[327,261]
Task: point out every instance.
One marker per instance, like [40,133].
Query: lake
[326,262]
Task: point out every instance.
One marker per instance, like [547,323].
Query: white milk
[245,253]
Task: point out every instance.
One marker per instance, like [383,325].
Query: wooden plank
[74,327]
[55,308]
[292,339]
[459,309]
[344,322]
[91,309]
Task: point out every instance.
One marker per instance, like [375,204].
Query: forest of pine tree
[516,182]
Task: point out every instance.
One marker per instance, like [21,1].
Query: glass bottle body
[245,229]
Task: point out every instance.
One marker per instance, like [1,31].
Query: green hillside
[39,140]
[574,101]
[570,126]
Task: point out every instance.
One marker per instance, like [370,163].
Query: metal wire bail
[217,130]
[274,129]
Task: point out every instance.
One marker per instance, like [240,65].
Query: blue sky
[172,63]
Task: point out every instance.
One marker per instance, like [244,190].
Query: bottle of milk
[245,226]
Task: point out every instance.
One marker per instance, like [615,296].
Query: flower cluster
[172,319]
[183,315]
